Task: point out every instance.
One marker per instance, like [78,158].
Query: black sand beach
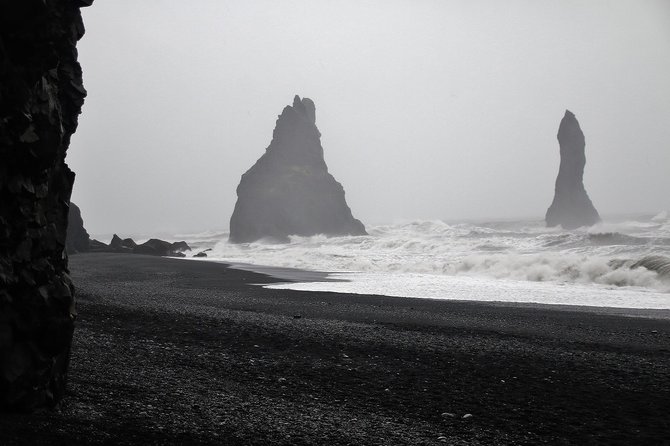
[171,351]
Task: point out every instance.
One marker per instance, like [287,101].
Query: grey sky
[428,109]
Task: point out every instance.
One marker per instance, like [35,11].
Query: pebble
[467,415]
[448,415]
[442,439]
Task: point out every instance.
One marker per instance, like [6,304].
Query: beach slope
[171,351]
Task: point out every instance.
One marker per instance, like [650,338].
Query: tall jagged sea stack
[572,207]
[41,96]
[289,190]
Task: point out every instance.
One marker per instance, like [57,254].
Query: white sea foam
[436,259]
[661,217]
[481,289]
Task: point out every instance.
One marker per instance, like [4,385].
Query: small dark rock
[119,245]
[180,247]
[157,247]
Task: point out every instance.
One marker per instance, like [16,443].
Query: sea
[622,262]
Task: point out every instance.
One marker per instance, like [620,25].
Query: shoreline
[174,352]
[286,274]
[281,273]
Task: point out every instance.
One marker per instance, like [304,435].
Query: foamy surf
[520,261]
[469,288]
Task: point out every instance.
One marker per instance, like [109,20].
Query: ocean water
[621,262]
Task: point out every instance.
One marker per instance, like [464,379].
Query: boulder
[203,253]
[180,247]
[572,206]
[77,239]
[157,247]
[122,245]
[289,190]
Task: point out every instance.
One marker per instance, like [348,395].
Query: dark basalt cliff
[41,96]
[571,207]
[289,190]
[77,239]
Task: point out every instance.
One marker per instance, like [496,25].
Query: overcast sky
[428,109]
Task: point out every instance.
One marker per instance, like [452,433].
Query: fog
[427,109]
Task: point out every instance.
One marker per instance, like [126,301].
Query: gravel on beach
[170,351]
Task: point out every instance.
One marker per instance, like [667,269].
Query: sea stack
[77,239]
[571,207]
[289,190]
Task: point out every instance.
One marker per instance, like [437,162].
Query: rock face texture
[41,96]
[289,190]
[571,207]
[77,239]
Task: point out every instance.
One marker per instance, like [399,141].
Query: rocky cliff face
[571,207]
[289,190]
[77,239]
[41,95]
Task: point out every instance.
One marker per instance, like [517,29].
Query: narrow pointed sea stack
[571,207]
[289,190]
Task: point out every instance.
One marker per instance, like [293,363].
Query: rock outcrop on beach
[152,247]
[77,239]
[289,190]
[572,206]
[122,245]
[157,247]
[41,95]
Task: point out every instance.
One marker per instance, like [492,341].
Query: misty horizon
[426,110]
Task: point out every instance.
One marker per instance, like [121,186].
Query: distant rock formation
[152,247]
[119,245]
[77,239]
[289,190]
[571,207]
[156,247]
[41,95]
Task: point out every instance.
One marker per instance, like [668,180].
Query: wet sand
[169,351]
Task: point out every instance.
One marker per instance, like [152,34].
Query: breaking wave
[633,253]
